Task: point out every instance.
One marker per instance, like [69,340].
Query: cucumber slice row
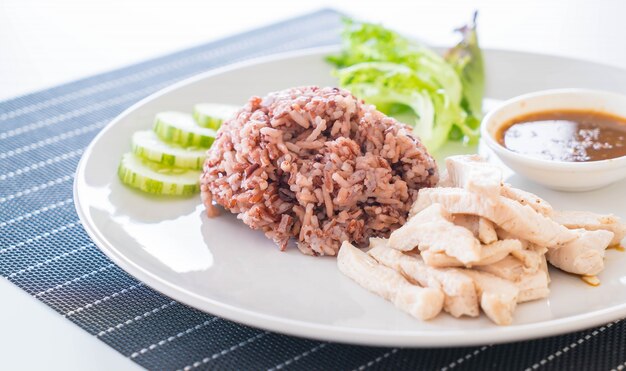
[180,128]
[156,179]
[212,115]
[146,144]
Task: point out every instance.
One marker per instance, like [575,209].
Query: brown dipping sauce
[566,135]
[617,247]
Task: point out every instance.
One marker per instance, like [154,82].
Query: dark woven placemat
[45,251]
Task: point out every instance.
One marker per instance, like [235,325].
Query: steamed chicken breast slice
[584,255]
[498,297]
[532,283]
[533,286]
[526,245]
[531,259]
[543,266]
[432,230]
[526,198]
[532,256]
[476,175]
[444,180]
[419,302]
[508,268]
[489,254]
[521,221]
[592,222]
[486,231]
[460,295]
[467,221]
[482,228]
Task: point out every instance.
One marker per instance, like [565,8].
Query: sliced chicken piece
[506,235]
[440,260]
[419,302]
[543,266]
[460,294]
[377,241]
[584,255]
[532,284]
[476,175]
[592,222]
[486,231]
[532,256]
[521,221]
[432,230]
[498,250]
[508,268]
[531,259]
[529,246]
[467,221]
[489,254]
[498,297]
[444,180]
[482,228]
[526,198]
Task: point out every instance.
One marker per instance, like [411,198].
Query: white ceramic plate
[222,267]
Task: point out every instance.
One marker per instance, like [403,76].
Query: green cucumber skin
[168,160]
[213,115]
[207,121]
[171,134]
[156,187]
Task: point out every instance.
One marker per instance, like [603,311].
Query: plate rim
[299,328]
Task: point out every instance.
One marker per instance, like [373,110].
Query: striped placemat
[45,251]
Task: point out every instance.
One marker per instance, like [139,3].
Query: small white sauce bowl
[559,175]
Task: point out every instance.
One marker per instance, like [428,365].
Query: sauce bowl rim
[502,151]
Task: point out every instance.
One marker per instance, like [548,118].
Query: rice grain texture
[318,165]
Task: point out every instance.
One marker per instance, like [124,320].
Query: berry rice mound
[317,165]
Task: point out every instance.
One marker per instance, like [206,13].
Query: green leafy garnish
[467,60]
[440,98]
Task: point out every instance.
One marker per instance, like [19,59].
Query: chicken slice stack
[476,243]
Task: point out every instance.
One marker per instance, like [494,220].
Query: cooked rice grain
[316,164]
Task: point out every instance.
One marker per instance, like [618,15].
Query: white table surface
[44,43]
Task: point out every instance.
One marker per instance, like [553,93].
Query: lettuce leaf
[392,86]
[409,81]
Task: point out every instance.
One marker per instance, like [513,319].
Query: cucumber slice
[212,115]
[157,179]
[181,128]
[146,144]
